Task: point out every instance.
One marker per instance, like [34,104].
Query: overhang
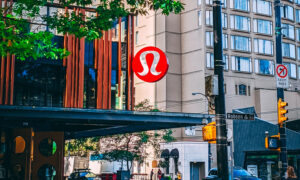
[78,123]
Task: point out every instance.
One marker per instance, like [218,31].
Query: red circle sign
[281,71]
[150,64]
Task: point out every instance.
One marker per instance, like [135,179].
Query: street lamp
[209,120]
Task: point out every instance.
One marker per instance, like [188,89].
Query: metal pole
[222,155]
[280,93]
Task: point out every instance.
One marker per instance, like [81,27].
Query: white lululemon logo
[154,63]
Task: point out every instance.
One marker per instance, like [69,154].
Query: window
[249,91]
[242,89]
[210,61]
[297,2]
[136,37]
[298,53]
[262,26]
[240,5]
[199,2]
[263,46]
[240,43]
[262,7]
[240,23]
[225,41]
[242,64]
[297,15]
[265,67]
[288,31]
[298,72]
[209,19]
[199,18]
[298,33]
[287,12]
[291,70]
[137,20]
[210,41]
[288,50]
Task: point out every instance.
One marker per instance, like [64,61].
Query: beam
[120,130]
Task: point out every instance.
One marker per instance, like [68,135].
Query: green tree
[124,148]
[19,38]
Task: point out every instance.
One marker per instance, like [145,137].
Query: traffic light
[209,132]
[273,142]
[282,111]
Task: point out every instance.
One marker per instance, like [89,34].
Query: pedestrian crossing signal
[209,132]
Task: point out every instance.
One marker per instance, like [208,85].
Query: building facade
[249,58]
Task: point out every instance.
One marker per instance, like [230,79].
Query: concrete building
[249,56]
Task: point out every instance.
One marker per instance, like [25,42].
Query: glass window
[288,50]
[199,2]
[210,41]
[225,41]
[262,7]
[209,19]
[242,89]
[137,20]
[199,18]
[292,71]
[240,23]
[287,12]
[298,34]
[240,5]
[263,46]
[241,43]
[298,72]
[210,61]
[242,64]
[40,82]
[297,2]
[298,15]
[263,26]
[263,66]
[298,53]
[288,31]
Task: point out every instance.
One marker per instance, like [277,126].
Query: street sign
[282,76]
[240,116]
[150,64]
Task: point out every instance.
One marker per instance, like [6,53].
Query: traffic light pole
[280,92]
[222,155]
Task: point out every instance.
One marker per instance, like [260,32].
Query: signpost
[238,116]
[282,76]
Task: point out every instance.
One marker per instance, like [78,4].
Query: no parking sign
[282,76]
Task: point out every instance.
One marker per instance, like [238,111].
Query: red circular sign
[150,64]
[281,71]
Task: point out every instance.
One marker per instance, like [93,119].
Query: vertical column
[222,159]
[280,93]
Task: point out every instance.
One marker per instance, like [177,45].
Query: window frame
[256,26]
[255,8]
[256,49]
[234,64]
[233,20]
[233,43]
[257,67]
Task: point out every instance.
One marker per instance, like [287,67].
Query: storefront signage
[150,64]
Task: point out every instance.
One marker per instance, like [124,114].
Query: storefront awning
[78,123]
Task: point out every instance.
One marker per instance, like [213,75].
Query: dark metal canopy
[78,123]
